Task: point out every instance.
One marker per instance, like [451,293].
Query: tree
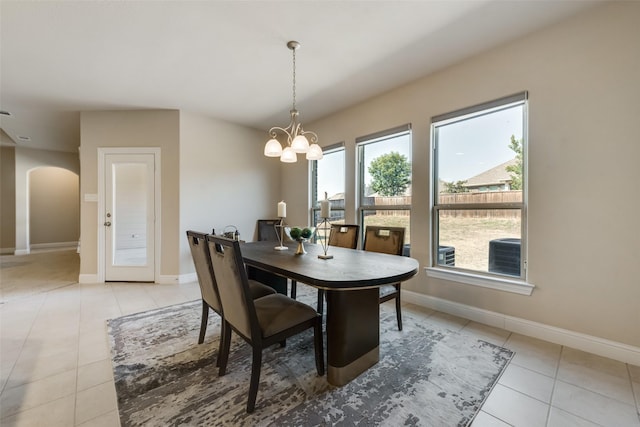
[455,187]
[390,174]
[516,169]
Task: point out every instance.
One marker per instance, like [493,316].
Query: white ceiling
[228,59]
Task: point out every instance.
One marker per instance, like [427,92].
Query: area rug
[427,376]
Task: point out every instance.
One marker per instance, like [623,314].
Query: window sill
[507,285]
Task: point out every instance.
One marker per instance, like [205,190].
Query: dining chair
[343,236]
[387,240]
[267,230]
[261,322]
[208,284]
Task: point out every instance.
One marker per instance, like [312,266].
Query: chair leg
[399,309]
[221,345]
[223,357]
[203,323]
[255,379]
[318,344]
[320,301]
[294,289]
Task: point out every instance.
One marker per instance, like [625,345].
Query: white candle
[325,208]
[282,209]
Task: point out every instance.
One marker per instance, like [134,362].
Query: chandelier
[297,138]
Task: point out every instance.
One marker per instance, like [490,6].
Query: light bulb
[288,155]
[300,144]
[273,148]
[315,152]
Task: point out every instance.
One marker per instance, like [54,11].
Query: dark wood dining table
[351,279]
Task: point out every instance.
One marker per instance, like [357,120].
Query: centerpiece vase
[300,250]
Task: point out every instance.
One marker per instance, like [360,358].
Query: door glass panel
[130,214]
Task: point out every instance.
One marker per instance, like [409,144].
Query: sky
[470,147]
[465,148]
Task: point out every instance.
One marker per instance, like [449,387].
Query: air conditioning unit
[446,255]
[504,256]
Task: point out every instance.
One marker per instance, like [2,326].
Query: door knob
[108,223]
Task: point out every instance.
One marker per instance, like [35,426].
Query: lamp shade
[315,152]
[272,148]
[300,144]
[288,155]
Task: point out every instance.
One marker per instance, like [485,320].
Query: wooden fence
[514,196]
[458,198]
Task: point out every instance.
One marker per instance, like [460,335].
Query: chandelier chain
[294,78]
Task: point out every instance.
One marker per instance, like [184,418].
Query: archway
[53,208]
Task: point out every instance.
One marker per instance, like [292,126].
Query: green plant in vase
[300,235]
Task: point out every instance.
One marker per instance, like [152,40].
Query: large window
[327,179]
[479,176]
[384,184]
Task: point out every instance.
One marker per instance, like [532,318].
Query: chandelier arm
[273,132]
[314,136]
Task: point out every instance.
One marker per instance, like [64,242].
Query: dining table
[351,279]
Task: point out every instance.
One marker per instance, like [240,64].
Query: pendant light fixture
[298,140]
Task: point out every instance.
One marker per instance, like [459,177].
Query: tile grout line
[555,382]
[4,387]
[636,398]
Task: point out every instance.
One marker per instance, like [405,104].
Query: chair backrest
[267,230]
[386,240]
[233,286]
[204,270]
[344,235]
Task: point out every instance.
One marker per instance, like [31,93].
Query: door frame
[102,153]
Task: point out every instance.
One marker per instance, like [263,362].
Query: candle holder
[325,225]
[280,225]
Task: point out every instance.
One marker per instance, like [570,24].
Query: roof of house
[494,176]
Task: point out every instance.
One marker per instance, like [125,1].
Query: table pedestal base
[353,333]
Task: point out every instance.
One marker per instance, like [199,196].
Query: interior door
[129,217]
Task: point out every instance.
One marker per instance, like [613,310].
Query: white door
[129,217]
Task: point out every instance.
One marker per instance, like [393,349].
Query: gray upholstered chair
[261,322]
[387,240]
[343,236]
[267,231]
[208,285]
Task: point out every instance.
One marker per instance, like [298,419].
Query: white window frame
[315,204]
[473,277]
[361,143]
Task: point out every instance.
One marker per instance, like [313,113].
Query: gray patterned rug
[426,376]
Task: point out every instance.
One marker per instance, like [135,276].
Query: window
[479,176]
[327,177]
[384,184]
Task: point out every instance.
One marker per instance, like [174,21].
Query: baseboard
[167,279]
[188,278]
[7,251]
[22,252]
[163,280]
[602,347]
[54,246]
[88,278]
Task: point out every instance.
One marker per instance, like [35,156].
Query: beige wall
[27,161]
[7,198]
[584,238]
[54,206]
[213,175]
[224,179]
[140,128]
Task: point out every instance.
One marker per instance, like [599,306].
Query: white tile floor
[56,367]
